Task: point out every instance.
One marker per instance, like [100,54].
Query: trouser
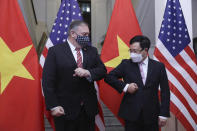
[140,125]
[82,123]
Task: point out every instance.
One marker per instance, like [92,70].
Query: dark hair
[75,24]
[143,40]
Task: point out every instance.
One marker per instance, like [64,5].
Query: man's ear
[72,33]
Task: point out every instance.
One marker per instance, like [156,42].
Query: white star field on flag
[60,27]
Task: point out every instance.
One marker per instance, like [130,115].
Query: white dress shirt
[145,67]
[73,49]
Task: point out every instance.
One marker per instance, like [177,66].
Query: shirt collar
[72,47]
[145,61]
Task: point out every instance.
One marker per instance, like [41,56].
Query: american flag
[174,49]
[69,11]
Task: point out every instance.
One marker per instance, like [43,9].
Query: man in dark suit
[142,76]
[69,73]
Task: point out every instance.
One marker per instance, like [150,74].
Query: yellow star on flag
[11,64]
[123,50]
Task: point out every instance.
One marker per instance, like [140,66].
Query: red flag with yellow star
[20,92]
[123,26]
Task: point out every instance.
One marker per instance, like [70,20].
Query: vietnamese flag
[123,26]
[21,104]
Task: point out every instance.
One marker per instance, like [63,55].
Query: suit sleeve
[99,71]
[49,80]
[165,93]
[113,77]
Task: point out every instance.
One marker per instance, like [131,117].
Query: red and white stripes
[182,76]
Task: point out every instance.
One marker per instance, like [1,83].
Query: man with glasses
[69,73]
[141,79]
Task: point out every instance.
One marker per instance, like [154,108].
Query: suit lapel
[69,54]
[85,57]
[150,70]
[137,72]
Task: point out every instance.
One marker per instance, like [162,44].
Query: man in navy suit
[69,73]
[142,76]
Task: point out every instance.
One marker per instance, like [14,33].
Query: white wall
[146,17]
[51,12]
[100,20]
[194,17]
[40,9]
[27,11]
[46,11]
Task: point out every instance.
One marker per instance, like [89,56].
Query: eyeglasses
[135,51]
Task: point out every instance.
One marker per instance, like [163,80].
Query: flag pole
[176,124]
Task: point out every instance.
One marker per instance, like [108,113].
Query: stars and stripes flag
[69,11]
[174,48]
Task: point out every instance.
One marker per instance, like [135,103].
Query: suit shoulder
[91,48]
[157,62]
[57,46]
[125,61]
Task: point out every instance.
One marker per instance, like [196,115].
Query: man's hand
[132,88]
[81,72]
[58,111]
[162,122]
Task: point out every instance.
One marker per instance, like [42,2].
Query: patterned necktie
[142,72]
[79,63]
[79,58]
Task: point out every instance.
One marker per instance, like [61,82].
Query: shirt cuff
[89,78]
[163,117]
[126,87]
